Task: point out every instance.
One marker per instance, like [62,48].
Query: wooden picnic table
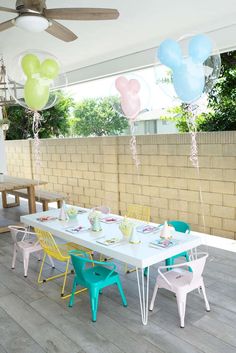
[14,183]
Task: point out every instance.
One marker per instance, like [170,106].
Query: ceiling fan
[34,16]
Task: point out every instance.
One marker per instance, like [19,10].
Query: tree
[221,115]
[180,115]
[222,99]
[98,117]
[54,120]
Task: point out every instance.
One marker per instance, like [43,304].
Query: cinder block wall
[19,158]
[95,171]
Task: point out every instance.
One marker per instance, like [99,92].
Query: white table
[138,255]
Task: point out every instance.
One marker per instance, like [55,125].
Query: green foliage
[20,123]
[54,120]
[97,117]
[180,115]
[222,99]
[221,115]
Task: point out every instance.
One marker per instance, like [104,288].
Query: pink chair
[25,242]
[181,281]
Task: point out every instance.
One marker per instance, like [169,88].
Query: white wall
[166,127]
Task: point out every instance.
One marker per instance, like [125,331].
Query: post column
[3,163]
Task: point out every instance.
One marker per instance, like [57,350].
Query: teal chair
[181,227]
[94,278]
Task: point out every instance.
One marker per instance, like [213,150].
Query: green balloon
[49,69]
[36,94]
[30,65]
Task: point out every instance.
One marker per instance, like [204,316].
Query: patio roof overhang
[105,47]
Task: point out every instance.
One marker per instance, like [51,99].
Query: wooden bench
[45,197]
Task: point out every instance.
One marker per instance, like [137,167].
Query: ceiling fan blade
[6,25]
[6,9]
[83,14]
[61,32]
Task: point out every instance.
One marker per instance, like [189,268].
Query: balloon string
[36,128]
[192,126]
[133,145]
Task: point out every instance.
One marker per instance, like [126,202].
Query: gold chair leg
[80,290]
[77,292]
[129,271]
[49,278]
[102,258]
[58,276]
[65,277]
[63,288]
[91,258]
[41,269]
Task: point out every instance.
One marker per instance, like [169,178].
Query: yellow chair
[59,252]
[139,212]
[142,213]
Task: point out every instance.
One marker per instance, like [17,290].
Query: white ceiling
[141,25]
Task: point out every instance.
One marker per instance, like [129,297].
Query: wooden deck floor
[34,319]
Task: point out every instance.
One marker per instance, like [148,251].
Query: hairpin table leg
[143,293]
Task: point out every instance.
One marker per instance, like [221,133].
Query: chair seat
[29,245]
[178,279]
[73,246]
[96,274]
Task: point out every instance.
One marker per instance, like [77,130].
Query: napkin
[110,241]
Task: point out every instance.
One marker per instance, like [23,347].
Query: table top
[14,183]
[138,255]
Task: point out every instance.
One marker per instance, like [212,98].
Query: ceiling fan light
[32,23]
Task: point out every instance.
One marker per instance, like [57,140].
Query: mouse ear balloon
[133,97]
[134,86]
[169,53]
[121,83]
[200,48]
[130,104]
[36,94]
[189,81]
[38,77]
[49,69]
[30,64]
[188,77]
[133,94]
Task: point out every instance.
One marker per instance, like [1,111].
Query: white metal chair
[181,281]
[25,242]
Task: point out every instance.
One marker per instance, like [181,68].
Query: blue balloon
[169,53]
[189,81]
[188,73]
[200,47]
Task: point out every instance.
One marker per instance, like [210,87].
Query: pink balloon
[134,86]
[130,100]
[121,83]
[130,105]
